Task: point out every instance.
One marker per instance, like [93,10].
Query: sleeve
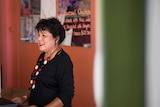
[65,80]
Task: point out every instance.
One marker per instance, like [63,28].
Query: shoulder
[64,56]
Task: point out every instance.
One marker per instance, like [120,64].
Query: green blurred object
[124,49]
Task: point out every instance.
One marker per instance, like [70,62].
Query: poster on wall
[75,15]
[48,8]
[29,16]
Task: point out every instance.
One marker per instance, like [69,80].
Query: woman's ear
[57,39]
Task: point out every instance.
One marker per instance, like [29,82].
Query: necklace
[38,68]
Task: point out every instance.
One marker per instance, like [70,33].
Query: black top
[55,80]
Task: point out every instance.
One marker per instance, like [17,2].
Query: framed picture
[75,15]
[30,15]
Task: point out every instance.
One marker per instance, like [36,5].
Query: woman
[52,81]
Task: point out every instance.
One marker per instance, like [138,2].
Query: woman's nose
[39,38]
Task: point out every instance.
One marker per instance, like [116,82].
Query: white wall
[98,58]
[152,53]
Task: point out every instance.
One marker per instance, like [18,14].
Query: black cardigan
[55,80]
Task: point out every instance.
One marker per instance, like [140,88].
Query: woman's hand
[17,100]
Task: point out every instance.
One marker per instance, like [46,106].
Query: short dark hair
[52,25]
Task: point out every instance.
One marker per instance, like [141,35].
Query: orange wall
[18,58]
[9,43]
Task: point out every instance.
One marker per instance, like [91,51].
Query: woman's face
[45,41]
